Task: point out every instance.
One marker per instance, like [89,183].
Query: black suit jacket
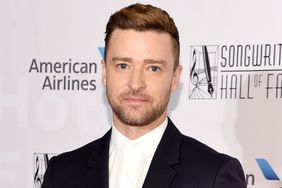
[179,162]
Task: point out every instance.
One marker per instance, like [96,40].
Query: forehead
[141,44]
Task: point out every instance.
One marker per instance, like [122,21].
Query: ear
[176,78]
[104,72]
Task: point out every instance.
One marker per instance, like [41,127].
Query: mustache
[135,93]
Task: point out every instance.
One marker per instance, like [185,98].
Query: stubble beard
[135,116]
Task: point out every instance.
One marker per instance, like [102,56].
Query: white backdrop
[242,118]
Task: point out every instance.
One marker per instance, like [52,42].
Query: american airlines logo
[271,177]
[267,170]
[102,51]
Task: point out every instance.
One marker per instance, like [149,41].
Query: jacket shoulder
[201,153]
[210,167]
[69,168]
[83,154]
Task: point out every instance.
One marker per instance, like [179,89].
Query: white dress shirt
[129,160]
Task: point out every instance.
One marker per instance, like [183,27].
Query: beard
[138,115]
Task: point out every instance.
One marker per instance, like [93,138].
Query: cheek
[115,84]
[159,89]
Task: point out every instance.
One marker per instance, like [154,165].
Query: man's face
[139,75]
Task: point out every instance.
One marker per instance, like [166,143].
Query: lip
[135,100]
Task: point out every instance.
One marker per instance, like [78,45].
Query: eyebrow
[147,61]
[152,61]
[125,59]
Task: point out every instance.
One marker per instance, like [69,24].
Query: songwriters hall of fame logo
[40,164]
[203,72]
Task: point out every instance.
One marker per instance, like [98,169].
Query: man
[143,148]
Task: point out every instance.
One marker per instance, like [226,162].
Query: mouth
[135,101]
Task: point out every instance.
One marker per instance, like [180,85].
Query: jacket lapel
[97,172]
[161,172]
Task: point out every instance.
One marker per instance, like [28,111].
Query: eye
[154,68]
[122,66]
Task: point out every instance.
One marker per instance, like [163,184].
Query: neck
[134,132]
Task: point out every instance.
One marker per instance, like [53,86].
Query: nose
[136,79]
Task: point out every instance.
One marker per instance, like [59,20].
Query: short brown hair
[141,17]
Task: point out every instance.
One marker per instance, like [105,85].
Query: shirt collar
[148,142]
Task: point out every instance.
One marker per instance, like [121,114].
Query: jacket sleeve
[230,175]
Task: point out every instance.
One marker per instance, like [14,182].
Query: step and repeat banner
[52,99]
